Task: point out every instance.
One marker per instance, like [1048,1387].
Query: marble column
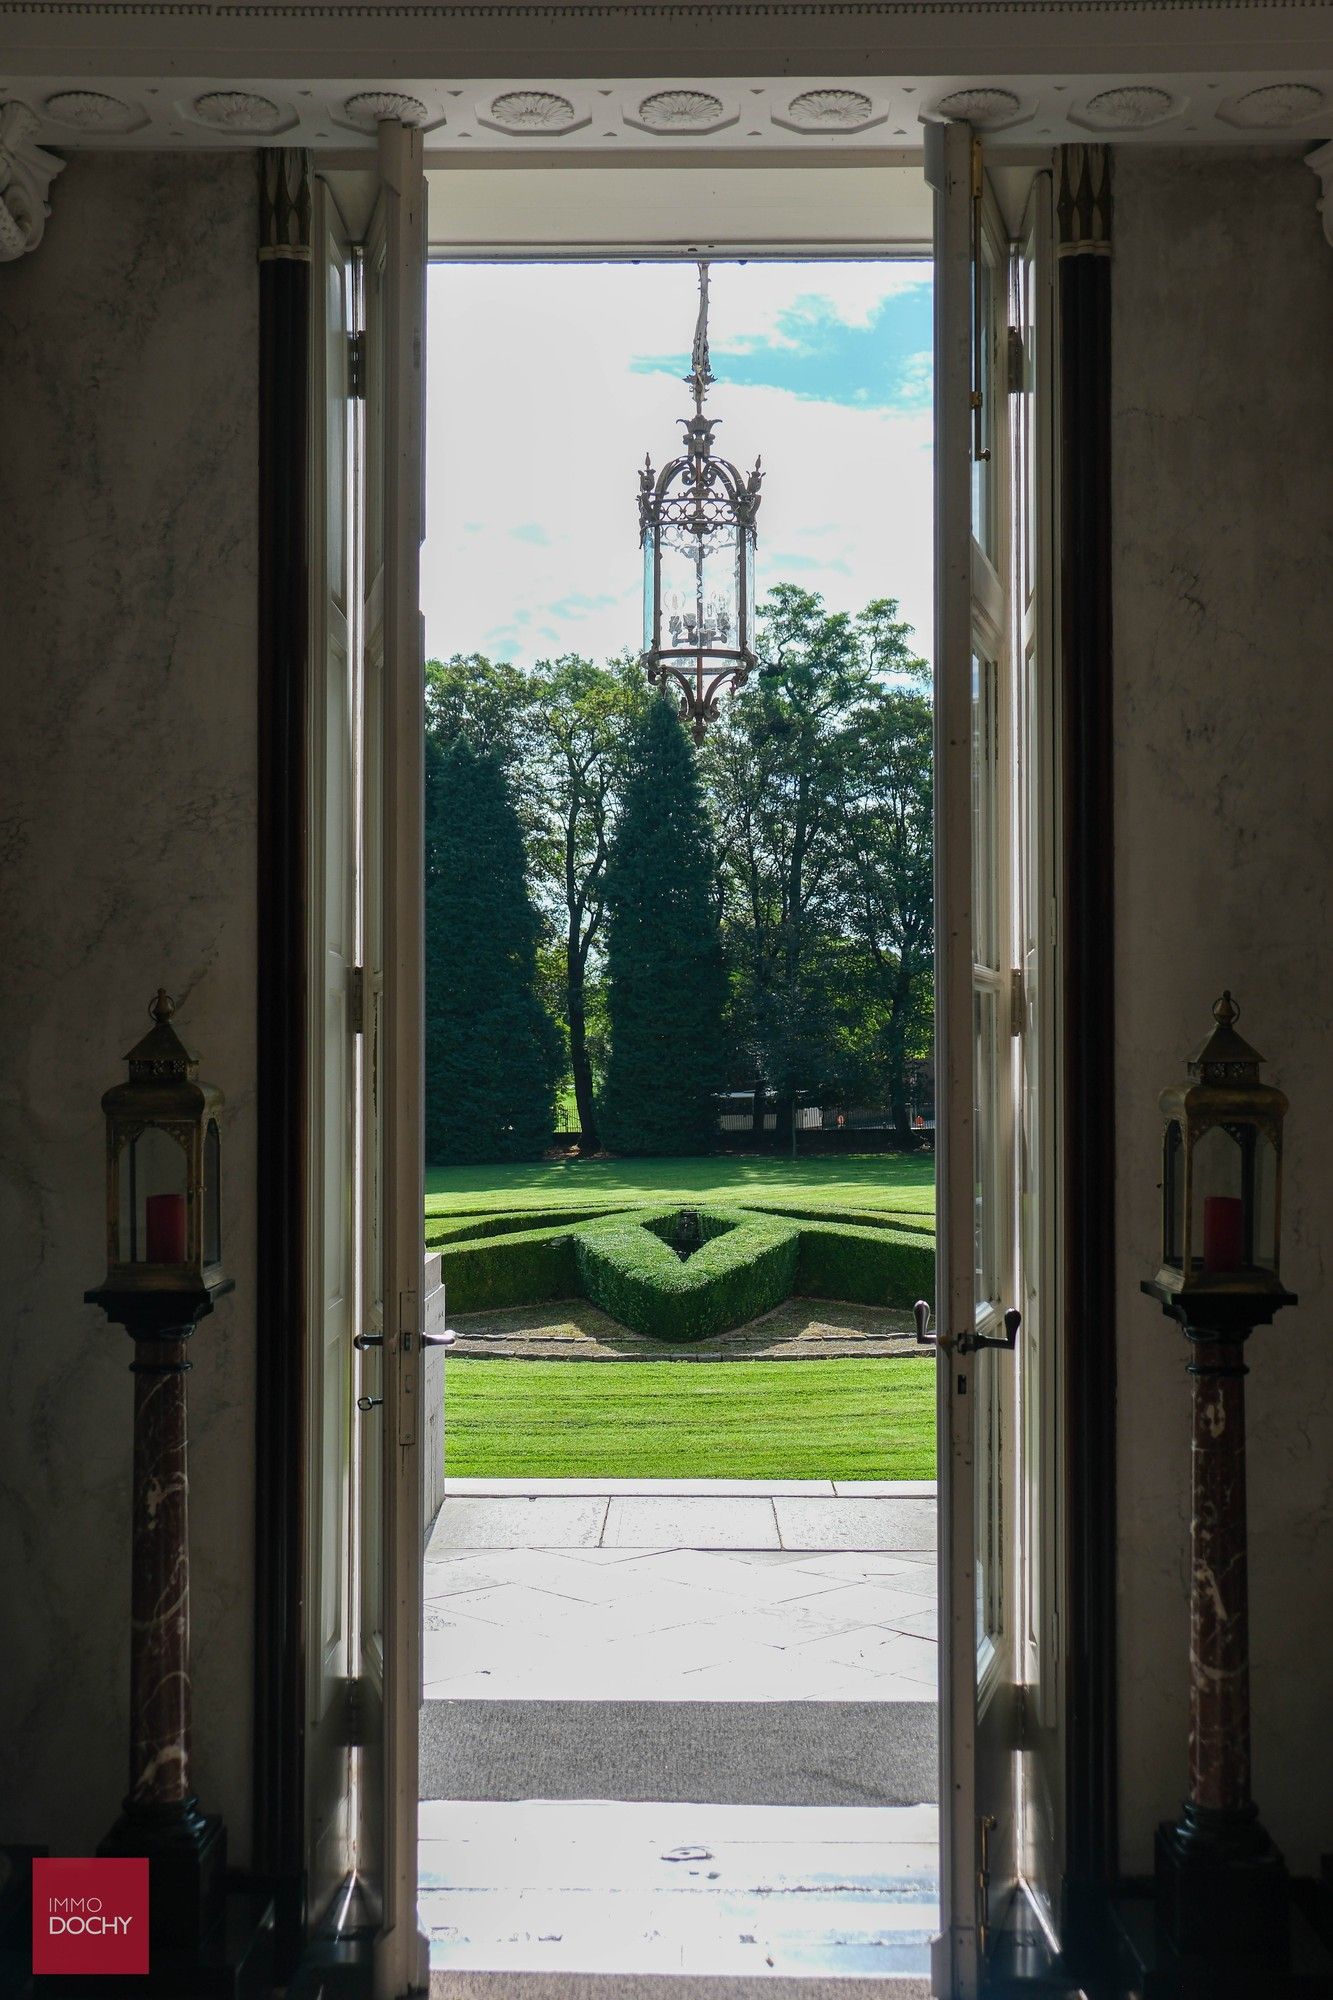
[160,1579]
[1219,1710]
[1221,1883]
[161,1818]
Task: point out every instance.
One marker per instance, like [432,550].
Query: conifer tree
[665,980]
[493,1056]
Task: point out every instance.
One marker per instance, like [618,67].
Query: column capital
[26,174]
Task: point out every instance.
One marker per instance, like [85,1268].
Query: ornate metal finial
[701,370]
[162,1052]
[1225,1057]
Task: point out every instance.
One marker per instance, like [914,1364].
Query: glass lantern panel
[649,594]
[745,554]
[699,594]
[212,1195]
[1173,1197]
[154,1204]
[1217,1201]
[1263,1246]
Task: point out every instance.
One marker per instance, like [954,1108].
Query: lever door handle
[445,1339]
[369,1402]
[967,1341]
[365,1340]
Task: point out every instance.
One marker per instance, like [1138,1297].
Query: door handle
[365,1340]
[368,1402]
[967,1342]
[445,1339]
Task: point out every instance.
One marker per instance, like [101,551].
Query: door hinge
[1016,361]
[1017,1000]
[356,999]
[356,366]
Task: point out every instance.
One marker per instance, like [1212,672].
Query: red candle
[1222,1217]
[164,1228]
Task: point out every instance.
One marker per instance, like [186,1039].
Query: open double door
[997,1029]
[997,1037]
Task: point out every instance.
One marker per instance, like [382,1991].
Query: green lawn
[889,1181]
[854,1419]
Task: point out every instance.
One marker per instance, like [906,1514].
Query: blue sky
[547,384]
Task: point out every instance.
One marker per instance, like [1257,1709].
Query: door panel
[332,903]
[1041,1790]
[995,820]
[395,345]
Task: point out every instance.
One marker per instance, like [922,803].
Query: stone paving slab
[573,1330]
[856,1524]
[692,1523]
[494,1523]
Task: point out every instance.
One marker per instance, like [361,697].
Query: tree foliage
[799,836]
[587,715]
[493,1056]
[666,986]
[811,767]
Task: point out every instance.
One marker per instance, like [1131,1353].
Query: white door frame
[400,1957]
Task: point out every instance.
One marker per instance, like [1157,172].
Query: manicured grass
[838,1419]
[898,1184]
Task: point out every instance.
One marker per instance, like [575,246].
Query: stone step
[606,1900]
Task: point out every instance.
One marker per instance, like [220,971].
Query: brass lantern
[1222,1175]
[697,531]
[163,1160]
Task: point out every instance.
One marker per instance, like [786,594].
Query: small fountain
[687,1233]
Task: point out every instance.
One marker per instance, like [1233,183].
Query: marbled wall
[128,368]
[1223,443]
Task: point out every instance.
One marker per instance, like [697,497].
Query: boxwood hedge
[745,1266]
[750,1260]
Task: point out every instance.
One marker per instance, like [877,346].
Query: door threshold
[671,1986]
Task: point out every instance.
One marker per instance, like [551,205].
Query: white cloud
[537,425]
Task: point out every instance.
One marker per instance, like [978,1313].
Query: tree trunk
[759,1113]
[902,1124]
[785,1136]
[581,1068]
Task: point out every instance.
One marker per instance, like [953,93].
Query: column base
[1149,1966]
[186,1851]
[1222,1888]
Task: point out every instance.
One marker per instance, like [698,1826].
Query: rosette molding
[26,174]
[1320,163]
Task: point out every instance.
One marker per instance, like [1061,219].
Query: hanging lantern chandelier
[697,531]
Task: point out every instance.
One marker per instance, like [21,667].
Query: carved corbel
[26,173]
[1320,162]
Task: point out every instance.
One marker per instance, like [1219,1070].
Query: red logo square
[90,1915]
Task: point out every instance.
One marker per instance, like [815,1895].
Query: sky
[547,383]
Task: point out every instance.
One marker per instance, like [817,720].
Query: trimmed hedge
[862,1218]
[441,1229]
[514,1270]
[745,1266]
[872,1267]
[750,1260]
